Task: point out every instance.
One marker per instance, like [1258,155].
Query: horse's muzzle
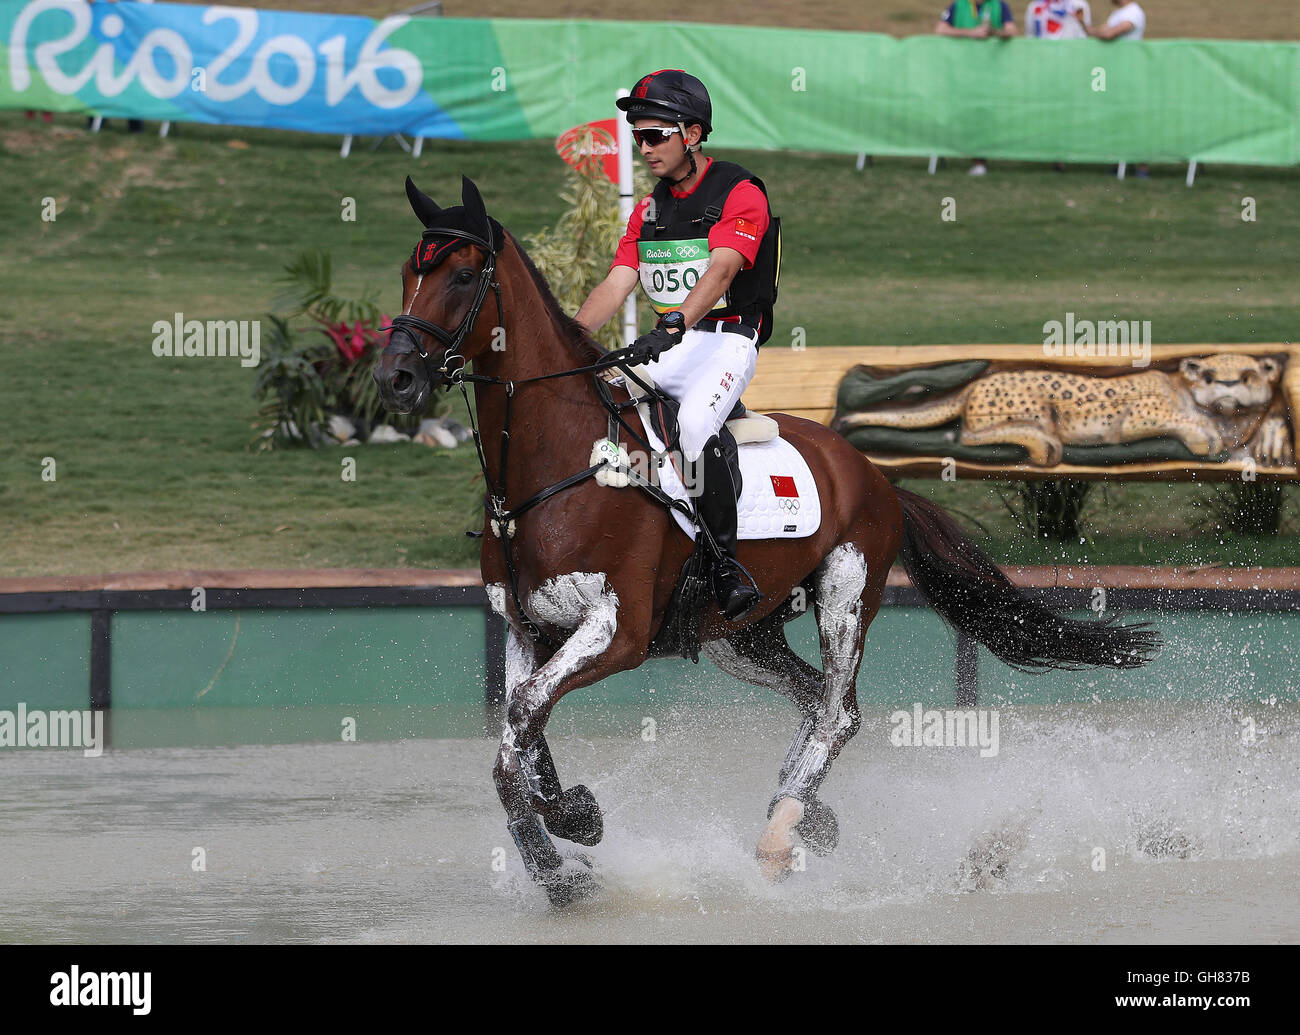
[403,384]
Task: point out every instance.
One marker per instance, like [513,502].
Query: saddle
[679,634]
[742,425]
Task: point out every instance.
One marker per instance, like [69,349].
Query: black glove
[667,333]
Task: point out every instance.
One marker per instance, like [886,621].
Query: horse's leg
[524,775]
[573,813]
[842,620]
[760,655]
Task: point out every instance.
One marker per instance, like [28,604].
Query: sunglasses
[653,137]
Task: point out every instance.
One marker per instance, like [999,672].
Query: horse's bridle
[452,340]
[501,519]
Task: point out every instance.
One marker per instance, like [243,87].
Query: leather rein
[500,519]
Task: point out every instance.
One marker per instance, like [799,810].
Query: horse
[585,574]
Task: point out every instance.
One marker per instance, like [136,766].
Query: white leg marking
[496,594]
[732,662]
[521,660]
[840,583]
[583,602]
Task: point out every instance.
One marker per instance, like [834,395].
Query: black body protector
[673,251]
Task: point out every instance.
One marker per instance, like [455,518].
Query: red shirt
[742,226]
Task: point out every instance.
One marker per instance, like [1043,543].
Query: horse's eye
[464,276]
[1209,377]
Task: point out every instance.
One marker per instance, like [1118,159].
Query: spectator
[1058,19]
[977,21]
[1127,23]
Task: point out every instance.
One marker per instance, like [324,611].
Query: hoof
[819,829]
[571,882]
[775,852]
[576,817]
[775,866]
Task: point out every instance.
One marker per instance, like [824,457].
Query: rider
[699,246]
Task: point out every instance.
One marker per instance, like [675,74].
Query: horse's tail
[971,593]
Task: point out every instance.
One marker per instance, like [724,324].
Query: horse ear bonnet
[441,225]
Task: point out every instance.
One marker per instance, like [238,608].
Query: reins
[501,520]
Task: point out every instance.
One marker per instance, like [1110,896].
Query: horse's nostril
[402,380]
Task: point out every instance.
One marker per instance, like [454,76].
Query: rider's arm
[724,264]
[608,297]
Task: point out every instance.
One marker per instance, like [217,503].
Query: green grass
[152,466]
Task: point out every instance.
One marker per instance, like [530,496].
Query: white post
[419,146]
[934,164]
[346,149]
[164,129]
[1119,173]
[862,160]
[625,203]
[96,123]
[1191,172]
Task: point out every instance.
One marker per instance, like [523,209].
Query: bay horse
[584,574]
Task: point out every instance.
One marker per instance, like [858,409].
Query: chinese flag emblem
[783,485]
[744,226]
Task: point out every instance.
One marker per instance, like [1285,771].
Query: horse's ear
[475,210]
[424,207]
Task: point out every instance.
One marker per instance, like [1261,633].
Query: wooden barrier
[805,383]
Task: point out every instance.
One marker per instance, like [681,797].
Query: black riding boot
[717,508]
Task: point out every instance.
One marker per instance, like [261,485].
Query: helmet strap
[690,157]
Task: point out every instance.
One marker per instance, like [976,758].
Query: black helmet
[670,94]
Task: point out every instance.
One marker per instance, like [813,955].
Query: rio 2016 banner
[495,79]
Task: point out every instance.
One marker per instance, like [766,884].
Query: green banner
[496,79]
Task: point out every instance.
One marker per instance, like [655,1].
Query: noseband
[416,327]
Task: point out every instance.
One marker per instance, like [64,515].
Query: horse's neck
[533,344]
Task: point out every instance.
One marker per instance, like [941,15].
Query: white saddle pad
[778,500]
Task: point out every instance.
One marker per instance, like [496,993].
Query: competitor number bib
[670,269]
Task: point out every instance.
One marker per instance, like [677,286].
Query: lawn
[152,466]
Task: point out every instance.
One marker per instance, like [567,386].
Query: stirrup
[741,596]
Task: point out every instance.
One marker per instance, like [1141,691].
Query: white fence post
[625,203]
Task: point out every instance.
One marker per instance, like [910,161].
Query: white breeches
[706,372]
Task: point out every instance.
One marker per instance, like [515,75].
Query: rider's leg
[707,373]
[717,507]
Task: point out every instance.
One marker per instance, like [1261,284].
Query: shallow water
[403,841]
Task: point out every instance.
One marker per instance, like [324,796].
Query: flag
[783,485]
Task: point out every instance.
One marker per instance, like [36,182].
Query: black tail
[972,594]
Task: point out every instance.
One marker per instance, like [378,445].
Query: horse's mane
[575,335]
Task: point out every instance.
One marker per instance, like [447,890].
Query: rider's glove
[667,333]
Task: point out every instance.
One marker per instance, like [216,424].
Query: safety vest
[673,250]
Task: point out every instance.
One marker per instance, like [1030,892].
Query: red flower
[352,341]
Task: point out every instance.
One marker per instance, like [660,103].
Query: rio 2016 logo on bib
[670,269]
